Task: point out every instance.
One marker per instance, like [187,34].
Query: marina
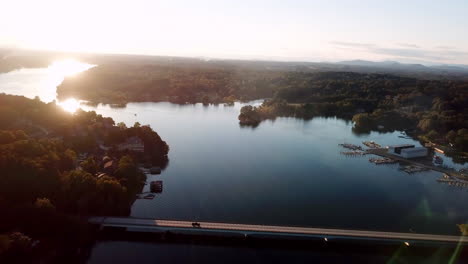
[413,165]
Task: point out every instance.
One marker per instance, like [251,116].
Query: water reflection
[70,105]
[43,82]
[68,67]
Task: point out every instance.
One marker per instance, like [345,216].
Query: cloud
[352,44]
[408,53]
[445,47]
[409,45]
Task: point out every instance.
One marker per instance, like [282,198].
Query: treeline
[45,185]
[178,83]
[435,110]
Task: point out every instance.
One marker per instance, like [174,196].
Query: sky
[415,31]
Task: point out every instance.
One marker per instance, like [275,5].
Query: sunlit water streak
[43,82]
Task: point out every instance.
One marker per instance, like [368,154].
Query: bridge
[154,225]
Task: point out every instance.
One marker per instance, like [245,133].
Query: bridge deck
[246,229]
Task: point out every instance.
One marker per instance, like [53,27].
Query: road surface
[167,225]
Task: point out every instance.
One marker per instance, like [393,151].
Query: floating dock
[413,169]
[371,144]
[156,186]
[350,146]
[353,153]
[382,160]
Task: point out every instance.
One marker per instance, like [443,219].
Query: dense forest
[182,80]
[178,83]
[52,175]
[434,110]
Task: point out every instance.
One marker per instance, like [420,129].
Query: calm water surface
[284,172]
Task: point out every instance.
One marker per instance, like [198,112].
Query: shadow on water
[249,126]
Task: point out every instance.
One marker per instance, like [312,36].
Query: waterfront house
[155,170]
[132,144]
[156,186]
[109,167]
[407,151]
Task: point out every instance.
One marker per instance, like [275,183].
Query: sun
[70,105]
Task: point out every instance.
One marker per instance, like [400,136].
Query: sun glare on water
[70,105]
[68,67]
[57,72]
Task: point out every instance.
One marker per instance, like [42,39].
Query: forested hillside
[51,175]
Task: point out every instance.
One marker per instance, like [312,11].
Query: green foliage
[40,178]
[372,101]
[175,82]
[90,165]
[433,135]
[44,203]
[363,120]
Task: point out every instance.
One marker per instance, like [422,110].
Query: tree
[433,135]
[462,132]
[78,188]
[90,165]
[128,172]
[19,243]
[451,135]
[122,125]
[67,160]
[44,203]
[426,124]
[362,120]
[206,100]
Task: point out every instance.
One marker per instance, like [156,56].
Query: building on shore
[109,167]
[133,144]
[407,151]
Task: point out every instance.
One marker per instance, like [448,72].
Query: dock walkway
[383,153]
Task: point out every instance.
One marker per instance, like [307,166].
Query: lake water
[284,172]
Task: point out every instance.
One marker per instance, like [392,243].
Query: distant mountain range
[11,59]
[402,66]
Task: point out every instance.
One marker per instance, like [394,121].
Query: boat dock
[353,153]
[371,144]
[412,169]
[350,146]
[456,183]
[382,161]
[383,152]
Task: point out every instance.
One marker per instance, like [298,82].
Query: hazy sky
[404,30]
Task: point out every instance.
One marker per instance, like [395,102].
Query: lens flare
[70,105]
